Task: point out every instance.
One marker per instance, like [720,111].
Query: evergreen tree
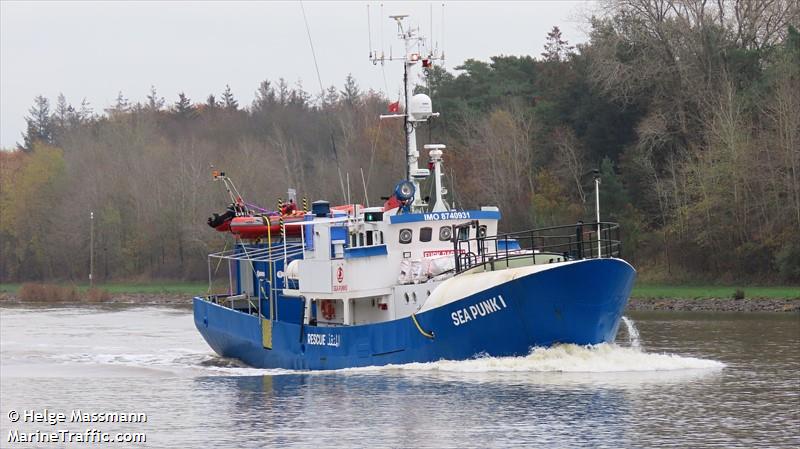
[85,113]
[39,125]
[330,97]
[265,97]
[351,93]
[154,102]
[298,96]
[62,116]
[121,105]
[212,103]
[228,101]
[183,107]
[555,48]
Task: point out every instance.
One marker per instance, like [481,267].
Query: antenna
[313,53]
[341,183]
[430,16]
[442,56]
[348,188]
[369,32]
[364,183]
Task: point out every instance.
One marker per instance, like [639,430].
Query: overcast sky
[94,50]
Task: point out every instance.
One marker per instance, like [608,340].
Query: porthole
[406,235]
[482,231]
[445,233]
[425,234]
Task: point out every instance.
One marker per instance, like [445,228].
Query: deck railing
[568,242]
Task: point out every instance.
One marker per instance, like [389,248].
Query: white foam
[633,334]
[567,358]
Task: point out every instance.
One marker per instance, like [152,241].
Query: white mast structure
[418,109]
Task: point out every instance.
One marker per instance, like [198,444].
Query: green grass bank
[665,291]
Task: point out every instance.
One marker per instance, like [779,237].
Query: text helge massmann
[415,280]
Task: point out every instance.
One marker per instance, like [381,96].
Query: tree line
[690,110]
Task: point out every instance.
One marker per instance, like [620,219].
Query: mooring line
[419,328]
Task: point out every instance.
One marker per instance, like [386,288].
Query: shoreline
[634,304]
[714,305]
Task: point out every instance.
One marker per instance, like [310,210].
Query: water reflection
[428,410]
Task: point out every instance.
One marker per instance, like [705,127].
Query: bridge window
[425,234]
[368,238]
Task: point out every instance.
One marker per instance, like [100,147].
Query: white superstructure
[378,264]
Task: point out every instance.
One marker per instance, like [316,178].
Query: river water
[687,380]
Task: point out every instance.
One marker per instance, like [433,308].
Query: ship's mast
[417,109]
[410,60]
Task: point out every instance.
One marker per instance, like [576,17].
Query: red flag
[394,107]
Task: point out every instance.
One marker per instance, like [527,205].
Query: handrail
[582,243]
[257,254]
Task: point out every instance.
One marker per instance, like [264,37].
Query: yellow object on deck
[266,333]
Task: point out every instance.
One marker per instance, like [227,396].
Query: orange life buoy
[328,309]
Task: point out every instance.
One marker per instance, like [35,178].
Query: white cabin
[377,265]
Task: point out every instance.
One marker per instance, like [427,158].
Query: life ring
[328,309]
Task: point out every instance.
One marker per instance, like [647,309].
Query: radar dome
[420,108]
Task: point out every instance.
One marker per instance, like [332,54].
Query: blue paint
[507,245]
[539,309]
[365,251]
[308,232]
[449,215]
[339,233]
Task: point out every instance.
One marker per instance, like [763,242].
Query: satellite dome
[420,108]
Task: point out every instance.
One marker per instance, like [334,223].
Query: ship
[415,280]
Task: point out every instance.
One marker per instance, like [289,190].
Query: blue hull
[579,303]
